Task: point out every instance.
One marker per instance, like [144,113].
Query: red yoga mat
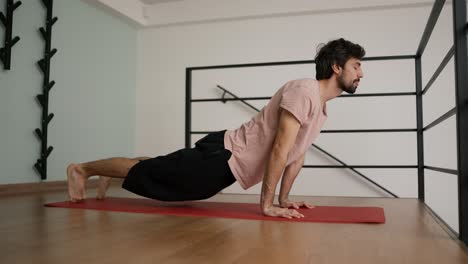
[331,214]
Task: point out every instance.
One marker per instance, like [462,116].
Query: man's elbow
[279,152]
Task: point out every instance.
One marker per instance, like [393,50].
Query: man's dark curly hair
[338,52]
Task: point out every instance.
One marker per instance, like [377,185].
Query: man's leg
[77,174]
[104,182]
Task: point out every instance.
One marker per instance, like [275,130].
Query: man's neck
[329,89]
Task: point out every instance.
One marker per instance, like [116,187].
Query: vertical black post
[45,81]
[461,86]
[419,127]
[188,107]
[431,22]
[6,55]
[44,65]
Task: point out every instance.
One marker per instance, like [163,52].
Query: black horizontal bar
[353,170]
[341,131]
[433,17]
[200,132]
[396,57]
[377,94]
[444,170]
[268,98]
[399,57]
[369,130]
[230,99]
[251,65]
[439,69]
[362,166]
[440,119]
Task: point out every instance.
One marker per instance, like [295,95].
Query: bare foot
[76,183]
[103,185]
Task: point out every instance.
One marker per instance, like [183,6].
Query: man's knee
[130,163]
[141,158]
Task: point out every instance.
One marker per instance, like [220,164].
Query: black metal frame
[43,99]
[223,99]
[461,83]
[459,50]
[7,21]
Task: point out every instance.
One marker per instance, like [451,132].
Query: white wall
[164,53]
[201,11]
[93,98]
[130,11]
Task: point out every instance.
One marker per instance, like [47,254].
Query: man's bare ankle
[82,170]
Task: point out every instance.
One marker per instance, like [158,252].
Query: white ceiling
[163,13]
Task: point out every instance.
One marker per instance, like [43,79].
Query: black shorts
[187,174]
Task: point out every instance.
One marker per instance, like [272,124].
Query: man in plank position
[267,148]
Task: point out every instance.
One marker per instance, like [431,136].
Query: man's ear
[336,68]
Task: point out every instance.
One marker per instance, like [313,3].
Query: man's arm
[286,133]
[289,176]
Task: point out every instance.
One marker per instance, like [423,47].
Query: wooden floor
[31,233]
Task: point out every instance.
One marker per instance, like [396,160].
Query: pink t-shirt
[251,143]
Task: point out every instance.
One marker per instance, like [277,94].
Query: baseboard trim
[46,186]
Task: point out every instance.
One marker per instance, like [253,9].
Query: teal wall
[93,99]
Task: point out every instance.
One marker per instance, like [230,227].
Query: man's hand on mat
[289,204]
[282,212]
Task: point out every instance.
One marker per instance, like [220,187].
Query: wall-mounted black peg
[10,41]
